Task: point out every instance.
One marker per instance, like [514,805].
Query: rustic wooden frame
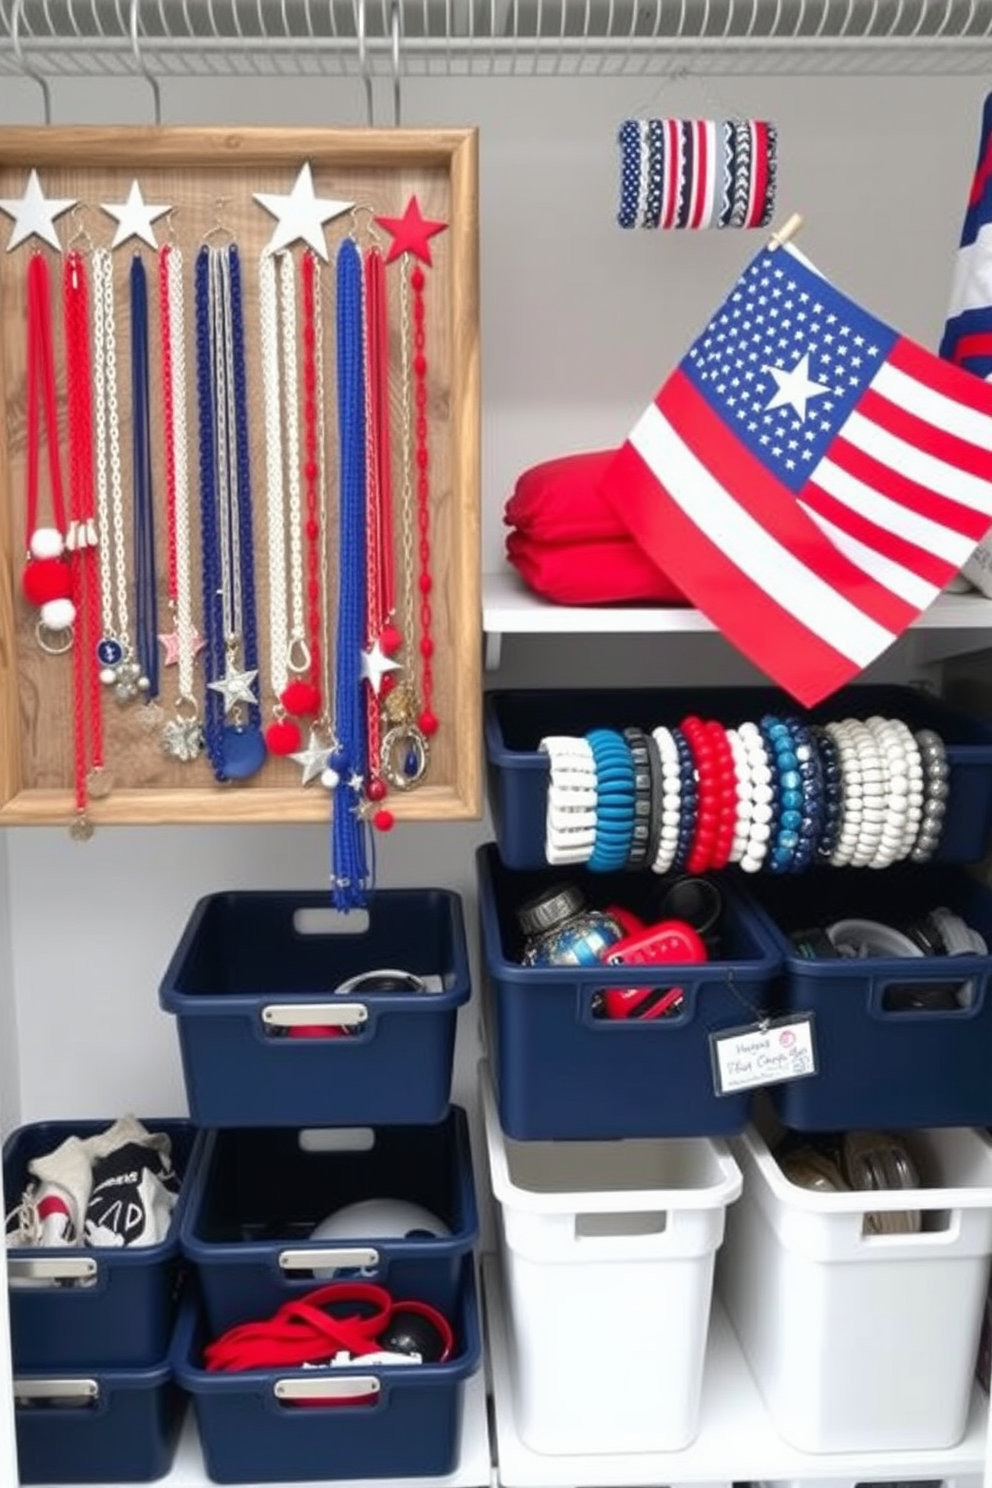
[75,162]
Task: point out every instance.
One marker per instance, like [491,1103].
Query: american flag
[807,476]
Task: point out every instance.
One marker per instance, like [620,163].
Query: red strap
[303,1331]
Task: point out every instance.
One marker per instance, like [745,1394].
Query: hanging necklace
[350,879]
[313,759]
[182,737]
[119,668]
[46,579]
[145,581]
[382,638]
[90,776]
[232,726]
[287,637]
[409,708]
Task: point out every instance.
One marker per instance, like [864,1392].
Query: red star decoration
[411,233]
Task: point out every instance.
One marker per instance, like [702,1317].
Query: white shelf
[473,1471]
[510,608]
[736,1438]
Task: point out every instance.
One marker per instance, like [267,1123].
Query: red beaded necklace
[90,776]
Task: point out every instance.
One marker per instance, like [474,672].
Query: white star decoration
[134,217]
[301,215]
[795,388]
[312,759]
[375,664]
[235,687]
[34,214]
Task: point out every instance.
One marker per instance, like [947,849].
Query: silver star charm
[375,664]
[235,687]
[134,217]
[34,214]
[182,739]
[301,215]
[313,759]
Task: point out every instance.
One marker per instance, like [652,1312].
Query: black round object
[697,901]
[412,1333]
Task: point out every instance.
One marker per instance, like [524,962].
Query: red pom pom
[282,736]
[384,821]
[375,790]
[390,639]
[427,722]
[301,698]
[46,578]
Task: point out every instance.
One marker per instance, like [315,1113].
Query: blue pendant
[242,752]
[109,653]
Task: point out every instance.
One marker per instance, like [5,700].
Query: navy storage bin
[515,722]
[259,1195]
[103,1307]
[98,1426]
[253,1430]
[881,1064]
[560,1072]
[252,964]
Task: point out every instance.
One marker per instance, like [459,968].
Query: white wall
[580,323]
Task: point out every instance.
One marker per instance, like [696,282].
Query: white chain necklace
[181,737]
[119,669]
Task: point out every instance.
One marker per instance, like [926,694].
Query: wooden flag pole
[788,230]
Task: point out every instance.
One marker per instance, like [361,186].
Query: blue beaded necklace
[146,604]
[232,719]
[350,876]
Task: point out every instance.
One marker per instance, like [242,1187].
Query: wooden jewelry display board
[209,178]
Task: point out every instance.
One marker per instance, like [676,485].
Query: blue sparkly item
[811,774]
[787,796]
[833,793]
[350,876]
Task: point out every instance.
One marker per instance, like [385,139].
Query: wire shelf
[374,38]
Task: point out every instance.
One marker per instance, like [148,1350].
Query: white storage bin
[607,1251]
[861,1342]
[966,1480]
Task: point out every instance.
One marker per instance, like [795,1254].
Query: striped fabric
[807,476]
[696,173]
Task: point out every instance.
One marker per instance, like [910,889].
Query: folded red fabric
[589,573]
[559,501]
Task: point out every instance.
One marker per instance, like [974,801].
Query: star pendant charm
[301,215]
[313,759]
[34,215]
[375,664]
[235,687]
[134,217]
[170,645]
[411,233]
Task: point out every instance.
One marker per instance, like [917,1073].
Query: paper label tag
[763,1054]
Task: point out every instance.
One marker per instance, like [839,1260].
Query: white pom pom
[108,676]
[46,542]
[58,614]
[330,779]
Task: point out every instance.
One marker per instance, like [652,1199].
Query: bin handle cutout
[73,1391]
[944,996]
[81,1271]
[315,1014]
[363,1256]
[353,1388]
[321,920]
[612,1226]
